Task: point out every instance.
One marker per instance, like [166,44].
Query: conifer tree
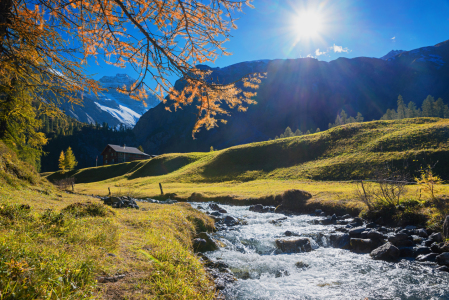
[343,117]
[62,162]
[438,108]
[308,132]
[140,148]
[70,160]
[411,112]
[359,118]
[427,106]
[401,108]
[298,132]
[288,132]
[317,130]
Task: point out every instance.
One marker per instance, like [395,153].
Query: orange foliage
[157,38]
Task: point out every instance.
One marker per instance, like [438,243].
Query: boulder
[357,221]
[446,227]
[443,269]
[431,257]
[326,221]
[373,234]
[435,248]
[436,237]
[388,252]
[293,201]
[428,242]
[356,232]
[444,247]
[363,245]
[340,241]
[404,243]
[443,259]
[371,225]
[277,221]
[203,243]
[406,252]
[196,197]
[421,250]
[256,208]
[398,237]
[223,211]
[294,246]
[344,217]
[231,221]
[214,206]
[421,233]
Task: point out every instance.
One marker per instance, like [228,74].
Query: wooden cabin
[114,154]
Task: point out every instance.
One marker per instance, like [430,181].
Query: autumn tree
[62,164]
[70,160]
[158,39]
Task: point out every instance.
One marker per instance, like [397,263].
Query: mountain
[391,54]
[303,93]
[110,106]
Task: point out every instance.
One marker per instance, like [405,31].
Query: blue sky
[349,28]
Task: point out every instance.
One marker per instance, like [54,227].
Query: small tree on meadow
[62,165]
[70,160]
[140,148]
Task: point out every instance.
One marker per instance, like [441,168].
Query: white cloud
[340,49]
[318,53]
[310,55]
[393,38]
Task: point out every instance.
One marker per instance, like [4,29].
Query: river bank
[266,270]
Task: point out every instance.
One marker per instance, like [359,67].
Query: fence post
[160,186]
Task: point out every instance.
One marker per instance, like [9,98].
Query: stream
[263,272]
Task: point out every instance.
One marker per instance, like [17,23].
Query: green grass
[341,153]
[55,245]
[312,162]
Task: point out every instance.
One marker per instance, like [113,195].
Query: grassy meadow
[317,163]
[57,245]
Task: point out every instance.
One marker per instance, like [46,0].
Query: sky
[326,30]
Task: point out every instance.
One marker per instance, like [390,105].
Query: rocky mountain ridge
[303,93]
[110,106]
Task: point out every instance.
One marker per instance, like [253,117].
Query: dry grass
[58,256]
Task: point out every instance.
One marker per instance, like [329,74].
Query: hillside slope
[345,152]
[303,93]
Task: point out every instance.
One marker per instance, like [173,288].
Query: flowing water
[324,273]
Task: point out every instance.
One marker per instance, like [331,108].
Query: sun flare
[308,24]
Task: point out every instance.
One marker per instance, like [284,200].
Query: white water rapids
[325,273]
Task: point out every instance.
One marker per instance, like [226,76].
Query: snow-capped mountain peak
[116,81]
[111,106]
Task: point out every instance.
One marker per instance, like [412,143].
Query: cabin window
[112,160]
[105,162]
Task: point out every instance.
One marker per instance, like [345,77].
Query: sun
[308,24]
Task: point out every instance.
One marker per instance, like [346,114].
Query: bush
[88,209]
[10,213]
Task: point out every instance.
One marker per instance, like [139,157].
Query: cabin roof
[125,149]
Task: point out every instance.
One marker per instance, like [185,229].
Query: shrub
[88,210]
